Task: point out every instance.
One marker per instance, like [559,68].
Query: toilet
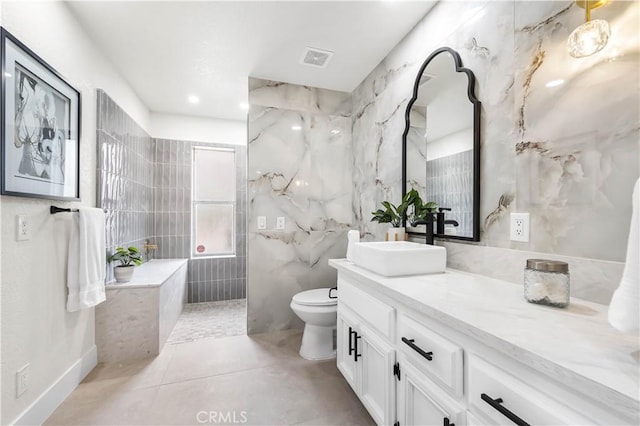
[319,313]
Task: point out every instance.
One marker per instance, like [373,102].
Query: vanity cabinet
[498,395]
[366,357]
[422,402]
[408,367]
[434,355]
[347,363]
[366,360]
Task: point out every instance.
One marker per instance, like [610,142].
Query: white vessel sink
[396,258]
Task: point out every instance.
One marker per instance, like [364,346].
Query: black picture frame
[39,127]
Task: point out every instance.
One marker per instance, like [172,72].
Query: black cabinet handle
[350,341]
[496,403]
[356,355]
[409,342]
[446,422]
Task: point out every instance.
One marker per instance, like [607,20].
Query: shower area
[176,199]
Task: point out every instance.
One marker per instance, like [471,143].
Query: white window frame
[194,203]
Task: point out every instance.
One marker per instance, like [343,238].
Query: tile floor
[260,379]
[210,319]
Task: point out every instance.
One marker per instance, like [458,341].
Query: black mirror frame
[476,139]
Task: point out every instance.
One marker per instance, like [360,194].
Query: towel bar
[54,210]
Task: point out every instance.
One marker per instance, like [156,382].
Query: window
[214,202]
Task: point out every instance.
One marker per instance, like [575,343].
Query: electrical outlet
[520,227]
[262,222]
[22,228]
[22,380]
[280,222]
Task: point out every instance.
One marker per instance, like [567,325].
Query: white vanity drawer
[436,356]
[378,314]
[492,389]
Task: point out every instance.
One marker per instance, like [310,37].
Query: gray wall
[144,184]
[125,177]
[209,279]
[449,183]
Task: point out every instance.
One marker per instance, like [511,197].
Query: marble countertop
[575,345]
[150,274]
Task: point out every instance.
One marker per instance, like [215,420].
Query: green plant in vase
[395,215]
[128,258]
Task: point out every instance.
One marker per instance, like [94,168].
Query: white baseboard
[50,399]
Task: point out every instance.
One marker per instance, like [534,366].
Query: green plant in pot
[128,258]
[394,215]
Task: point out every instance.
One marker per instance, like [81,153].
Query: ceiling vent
[318,58]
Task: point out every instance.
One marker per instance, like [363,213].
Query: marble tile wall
[566,154]
[125,177]
[144,185]
[209,279]
[300,167]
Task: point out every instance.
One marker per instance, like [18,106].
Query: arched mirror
[441,145]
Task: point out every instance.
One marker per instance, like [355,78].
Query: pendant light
[592,36]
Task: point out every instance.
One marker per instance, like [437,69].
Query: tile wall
[567,154]
[209,279]
[125,177]
[144,185]
[300,166]
[449,182]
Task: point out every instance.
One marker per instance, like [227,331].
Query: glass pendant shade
[588,38]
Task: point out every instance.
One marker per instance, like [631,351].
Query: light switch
[262,222]
[280,222]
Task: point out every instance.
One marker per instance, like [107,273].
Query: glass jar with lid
[546,282]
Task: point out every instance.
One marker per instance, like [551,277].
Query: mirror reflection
[442,144]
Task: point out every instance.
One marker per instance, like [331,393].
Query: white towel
[87,260]
[624,310]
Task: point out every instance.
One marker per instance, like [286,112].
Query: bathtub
[137,317]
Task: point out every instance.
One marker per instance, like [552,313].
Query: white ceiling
[170,50]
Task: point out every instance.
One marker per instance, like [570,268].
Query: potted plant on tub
[129,258]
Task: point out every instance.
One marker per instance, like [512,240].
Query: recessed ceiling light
[296,127]
[244,105]
[335,131]
[554,83]
[193,99]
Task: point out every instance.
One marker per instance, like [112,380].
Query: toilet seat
[317,297]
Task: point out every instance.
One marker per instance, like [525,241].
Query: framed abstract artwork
[40,141]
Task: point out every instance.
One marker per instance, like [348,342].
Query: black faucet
[429,220]
[439,220]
